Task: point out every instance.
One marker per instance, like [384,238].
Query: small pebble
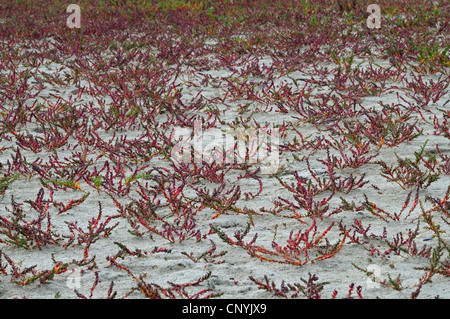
[428,238]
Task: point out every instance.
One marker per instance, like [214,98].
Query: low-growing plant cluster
[90,115]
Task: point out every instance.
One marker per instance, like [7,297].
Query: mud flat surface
[355,204]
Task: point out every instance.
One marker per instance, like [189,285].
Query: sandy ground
[164,262]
